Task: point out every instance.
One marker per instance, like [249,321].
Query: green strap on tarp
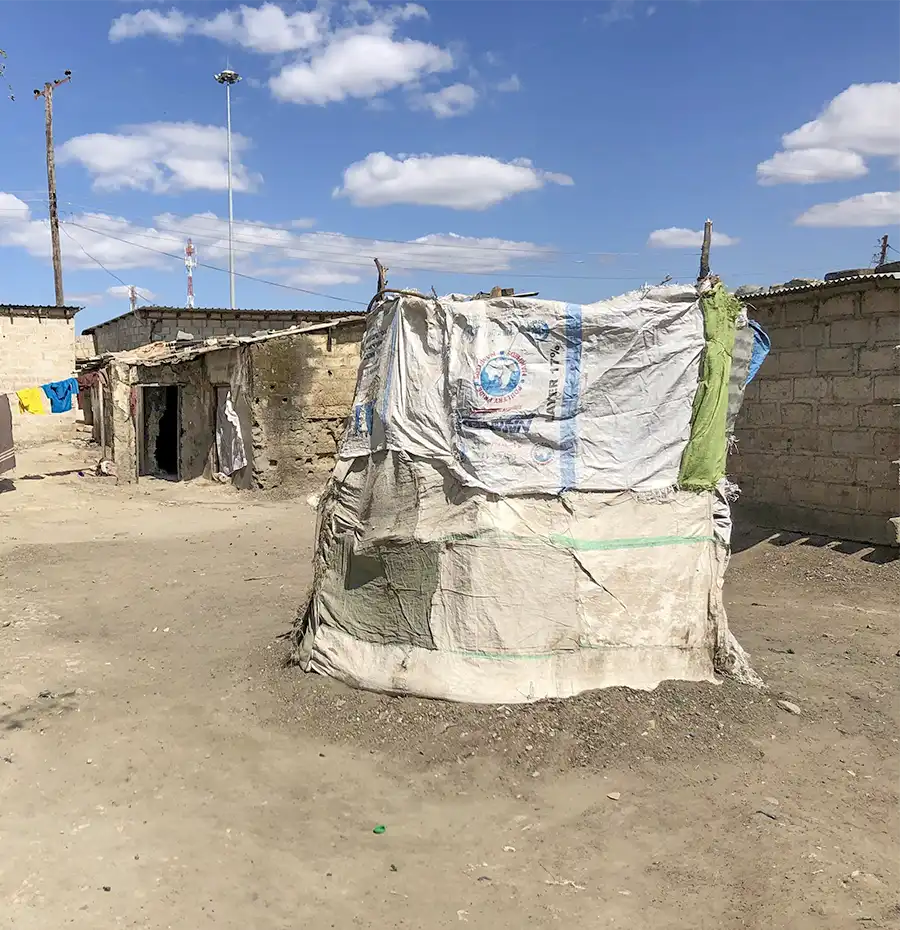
[703,462]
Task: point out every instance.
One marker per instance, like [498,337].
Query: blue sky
[569,148]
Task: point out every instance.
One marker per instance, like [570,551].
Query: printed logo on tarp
[499,377]
[541,455]
[519,423]
[363,419]
[539,329]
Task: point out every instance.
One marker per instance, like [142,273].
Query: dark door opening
[159,439]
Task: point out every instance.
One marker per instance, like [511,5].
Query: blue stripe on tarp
[568,422]
[386,396]
[760,350]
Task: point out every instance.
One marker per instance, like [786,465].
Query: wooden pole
[884,247]
[704,251]
[382,275]
[47,94]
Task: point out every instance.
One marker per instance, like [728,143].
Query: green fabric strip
[580,545]
[703,461]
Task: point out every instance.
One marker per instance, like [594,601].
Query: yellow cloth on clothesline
[32,400]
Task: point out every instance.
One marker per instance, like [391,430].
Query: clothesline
[16,390]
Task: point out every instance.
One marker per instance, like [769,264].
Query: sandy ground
[161,768]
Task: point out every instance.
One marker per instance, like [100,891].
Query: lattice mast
[190,262]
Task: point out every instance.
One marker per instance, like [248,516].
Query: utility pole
[47,94]
[704,250]
[229,78]
[884,247]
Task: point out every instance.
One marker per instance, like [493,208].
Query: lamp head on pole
[228,77]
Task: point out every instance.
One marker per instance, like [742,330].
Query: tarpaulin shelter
[530,497]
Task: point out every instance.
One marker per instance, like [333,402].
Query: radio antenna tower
[190,262]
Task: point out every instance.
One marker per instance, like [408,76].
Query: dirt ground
[160,767]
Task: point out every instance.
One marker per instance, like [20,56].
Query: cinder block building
[37,345]
[162,324]
[819,432]
[160,410]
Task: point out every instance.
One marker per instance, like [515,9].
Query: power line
[239,274]
[299,250]
[112,274]
[550,251]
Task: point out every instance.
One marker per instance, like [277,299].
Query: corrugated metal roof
[200,312]
[5,308]
[169,353]
[779,290]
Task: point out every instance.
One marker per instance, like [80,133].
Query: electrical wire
[112,274]
[298,252]
[379,241]
[237,274]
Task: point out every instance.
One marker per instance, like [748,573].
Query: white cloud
[122,291]
[310,259]
[676,237]
[810,166]
[359,65]
[510,85]
[881,208]
[172,25]
[161,157]
[266,29]
[341,51]
[455,100]
[862,120]
[85,300]
[620,11]
[462,182]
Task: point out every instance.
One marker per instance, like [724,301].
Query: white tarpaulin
[504,523]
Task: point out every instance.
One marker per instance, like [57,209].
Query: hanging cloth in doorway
[229,439]
[60,394]
[7,449]
[32,400]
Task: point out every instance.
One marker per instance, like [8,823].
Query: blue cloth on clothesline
[760,349]
[60,394]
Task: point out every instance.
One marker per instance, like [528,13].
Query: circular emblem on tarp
[541,455]
[500,376]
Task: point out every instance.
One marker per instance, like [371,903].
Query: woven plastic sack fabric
[703,461]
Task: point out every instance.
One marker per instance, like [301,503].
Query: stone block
[851,332]
[886,387]
[760,414]
[883,501]
[777,389]
[857,442]
[841,415]
[886,358]
[814,335]
[797,414]
[808,440]
[881,302]
[886,444]
[876,473]
[854,388]
[842,306]
[799,311]
[813,388]
[887,329]
[828,468]
[795,361]
[789,337]
[836,360]
[879,416]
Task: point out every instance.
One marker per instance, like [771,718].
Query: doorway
[160,429]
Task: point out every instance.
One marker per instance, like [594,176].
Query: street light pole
[228,78]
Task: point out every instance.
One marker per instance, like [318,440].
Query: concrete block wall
[302,391]
[130,331]
[34,350]
[819,432]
